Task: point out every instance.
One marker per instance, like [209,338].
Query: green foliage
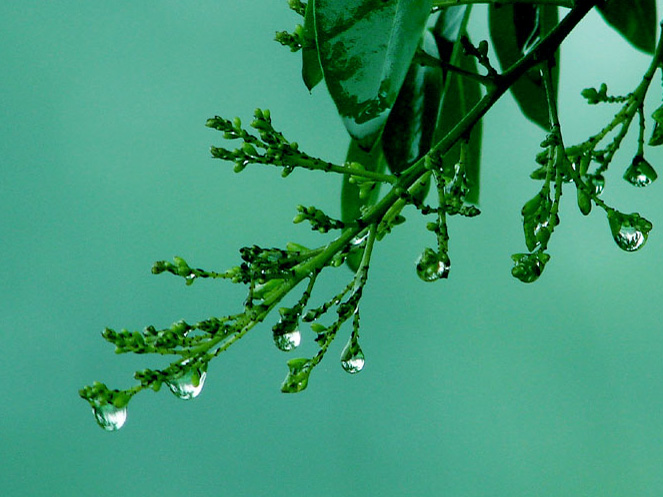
[412,90]
[515,29]
[635,20]
[365,49]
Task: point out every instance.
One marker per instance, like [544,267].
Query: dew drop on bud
[640,173]
[629,231]
[597,181]
[528,267]
[432,266]
[288,341]
[109,417]
[188,385]
[352,357]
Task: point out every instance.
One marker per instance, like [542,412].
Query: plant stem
[541,52]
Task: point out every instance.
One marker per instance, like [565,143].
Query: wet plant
[411,87]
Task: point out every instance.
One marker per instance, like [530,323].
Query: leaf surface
[408,133]
[635,20]
[514,29]
[311,70]
[365,48]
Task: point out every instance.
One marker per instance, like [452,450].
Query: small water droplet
[598,182]
[188,385]
[629,231]
[432,266]
[528,267]
[640,173]
[109,417]
[288,341]
[189,278]
[359,240]
[352,357]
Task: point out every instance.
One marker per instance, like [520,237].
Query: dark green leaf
[635,20]
[365,48]
[461,94]
[351,201]
[409,130]
[514,29]
[311,70]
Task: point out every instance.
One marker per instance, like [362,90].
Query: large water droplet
[188,385]
[109,417]
[640,173]
[528,267]
[630,239]
[432,266]
[629,231]
[288,341]
[352,357]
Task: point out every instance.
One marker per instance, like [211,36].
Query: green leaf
[408,133]
[365,48]
[514,30]
[311,70]
[352,202]
[635,20]
[460,95]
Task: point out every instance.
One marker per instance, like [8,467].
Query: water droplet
[288,341]
[640,173]
[432,266]
[630,239]
[188,385]
[352,357]
[629,231]
[297,378]
[109,417]
[359,240]
[528,267]
[597,181]
[189,278]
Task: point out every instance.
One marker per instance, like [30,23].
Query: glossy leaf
[514,29]
[365,48]
[408,133]
[461,94]
[311,70]
[352,202]
[635,20]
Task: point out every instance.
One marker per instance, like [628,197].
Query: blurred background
[475,386]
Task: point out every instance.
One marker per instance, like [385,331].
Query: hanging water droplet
[629,231]
[630,239]
[109,417]
[640,173]
[528,267]
[288,341]
[188,385]
[189,278]
[352,357]
[432,266]
[597,181]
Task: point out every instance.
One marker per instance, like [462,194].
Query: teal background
[475,386]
